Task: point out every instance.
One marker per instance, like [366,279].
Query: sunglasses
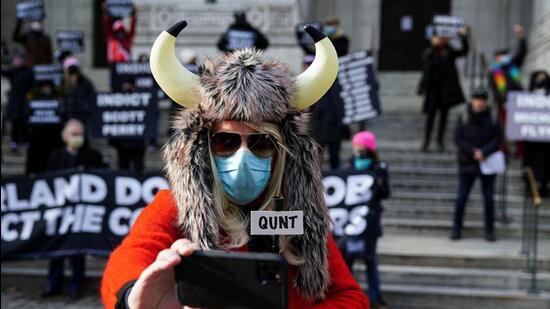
[225,144]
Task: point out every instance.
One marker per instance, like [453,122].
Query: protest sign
[120,8]
[527,117]
[70,40]
[44,112]
[137,73]
[48,72]
[125,115]
[30,10]
[359,87]
[71,212]
[447,26]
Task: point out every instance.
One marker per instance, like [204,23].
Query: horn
[314,82]
[173,78]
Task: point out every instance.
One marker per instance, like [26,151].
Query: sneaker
[425,147]
[455,235]
[490,236]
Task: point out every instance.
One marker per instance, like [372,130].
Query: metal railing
[529,240]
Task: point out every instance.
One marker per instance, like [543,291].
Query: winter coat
[475,131]
[80,99]
[38,46]
[506,76]
[156,230]
[242,35]
[440,83]
[85,157]
[119,49]
[21,80]
[326,117]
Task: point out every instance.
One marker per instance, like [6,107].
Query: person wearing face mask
[440,85]
[79,91]
[240,141]
[365,159]
[74,154]
[241,34]
[119,40]
[477,136]
[333,30]
[37,44]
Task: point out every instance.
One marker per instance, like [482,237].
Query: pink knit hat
[366,139]
[69,62]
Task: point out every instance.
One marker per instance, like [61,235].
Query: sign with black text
[277,222]
[527,117]
[120,8]
[359,87]
[30,10]
[48,72]
[70,212]
[447,26]
[70,40]
[44,112]
[125,115]
[138,74]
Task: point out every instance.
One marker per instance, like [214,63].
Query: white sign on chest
[277,222]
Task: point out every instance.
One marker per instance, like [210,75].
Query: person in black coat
[20,76]
[440,84]
[477,136]
[73,155]
[80,93]
[241,35]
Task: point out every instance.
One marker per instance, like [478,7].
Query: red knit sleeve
[344,292]
[154,230]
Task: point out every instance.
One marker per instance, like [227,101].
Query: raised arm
[465,46]
[521,51]
[133,23]
[107,27]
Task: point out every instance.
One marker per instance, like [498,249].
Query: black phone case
[218,279]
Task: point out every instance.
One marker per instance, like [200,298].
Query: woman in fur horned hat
[240,141]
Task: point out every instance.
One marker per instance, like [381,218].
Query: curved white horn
[173,78]
[314,82]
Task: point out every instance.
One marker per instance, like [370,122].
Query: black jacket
[21,81]
[80,99]
[85,157]
[326,117]
[440,83]
[475,131]
[38,46]
[242,35]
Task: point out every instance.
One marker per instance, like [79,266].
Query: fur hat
[244,86]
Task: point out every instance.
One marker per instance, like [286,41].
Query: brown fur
[243,86]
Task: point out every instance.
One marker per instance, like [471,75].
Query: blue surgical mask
[362,163]
[330,30]
[244,176]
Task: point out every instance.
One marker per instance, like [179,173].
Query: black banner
[125,115]
[120,8]
[44,112]
[136,73]
[30,10]
[359,87]
[48,72]
[69,213]
[70,40]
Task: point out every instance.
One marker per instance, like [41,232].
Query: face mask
[362,163]
[76,141]
[330,30]
[243,175]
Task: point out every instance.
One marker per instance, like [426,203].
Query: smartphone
[219,279]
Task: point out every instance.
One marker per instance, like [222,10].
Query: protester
[73,155]
[20,76]
[334,31]
[365,158]
[241,34]
[505,73]
[130,151]
[43,138]
[240,142]
[440,85]
[119,40]
[37,44]
[80,93]
[536,154]
[327,126]
[477,136]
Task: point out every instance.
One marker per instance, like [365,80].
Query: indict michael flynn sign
[71,212]
[528,117]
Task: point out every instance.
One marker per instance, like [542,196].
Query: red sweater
[155,230]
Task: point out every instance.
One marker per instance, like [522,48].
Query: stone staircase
[419,265]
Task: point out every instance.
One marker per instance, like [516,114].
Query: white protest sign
[277,222]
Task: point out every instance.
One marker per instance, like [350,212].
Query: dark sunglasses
[225,144]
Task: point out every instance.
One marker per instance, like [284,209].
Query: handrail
[537,200]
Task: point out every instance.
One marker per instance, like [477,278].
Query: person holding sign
[477,136]
[365,159]
[79,91]
[440,85]
[119,40]
[37,44]
[240,141]
[241,34]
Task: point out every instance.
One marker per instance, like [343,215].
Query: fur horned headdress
[244,86]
